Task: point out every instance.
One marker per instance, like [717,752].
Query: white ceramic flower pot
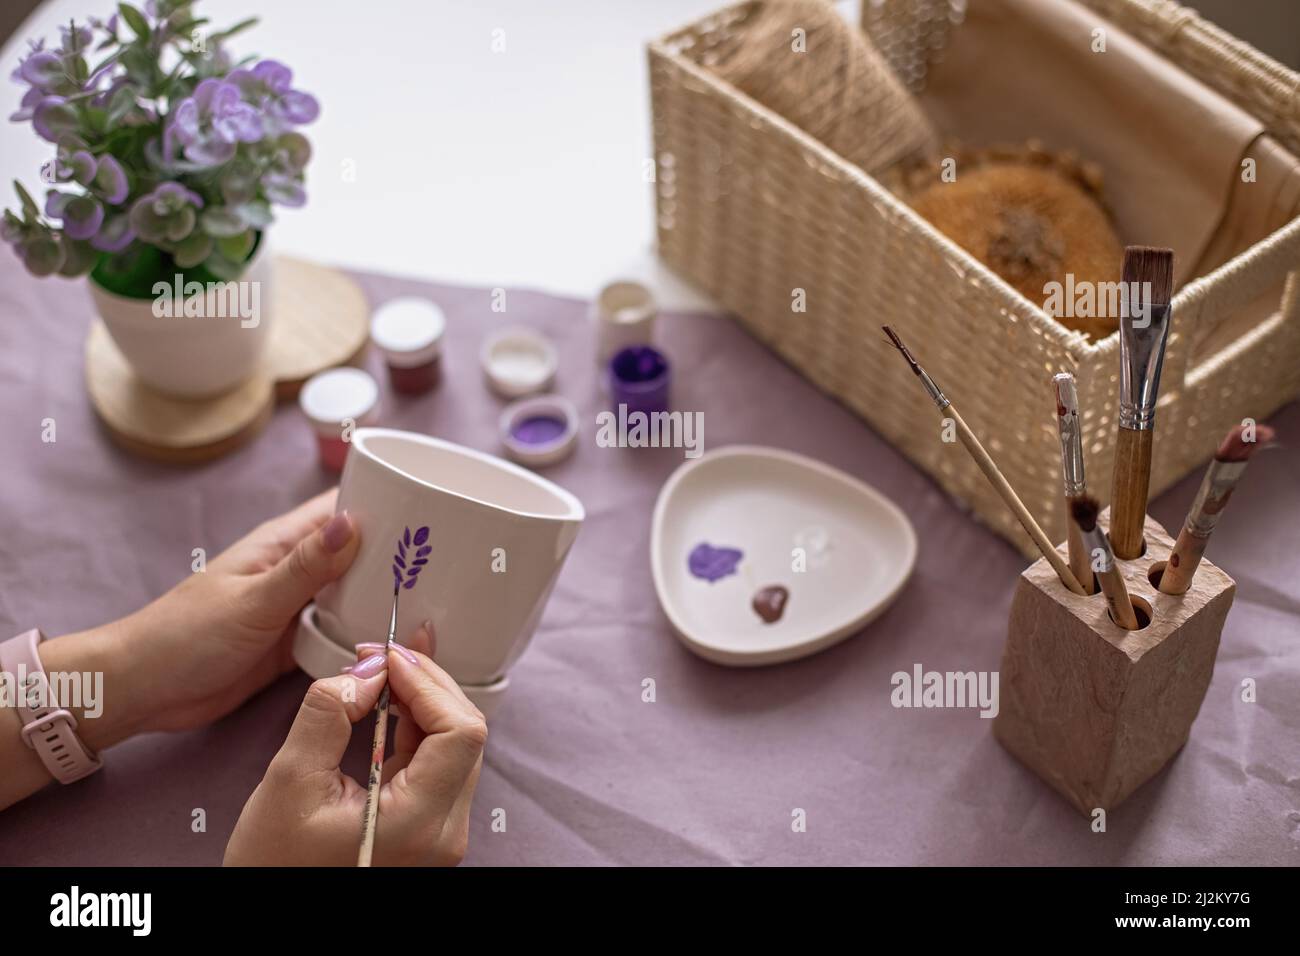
[201,344]
[498,536]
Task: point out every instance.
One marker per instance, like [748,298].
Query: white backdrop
[435,155]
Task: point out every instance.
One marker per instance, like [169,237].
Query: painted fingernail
[346,670]
[405,653]
[337,533]
[370,666]
[367,649]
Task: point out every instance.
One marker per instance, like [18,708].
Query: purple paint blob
[539,430]
[639,363]
[639,377]
[713,564]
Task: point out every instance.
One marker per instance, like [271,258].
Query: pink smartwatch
[48,729]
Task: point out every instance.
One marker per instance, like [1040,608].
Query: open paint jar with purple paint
[539,431]
[639,377]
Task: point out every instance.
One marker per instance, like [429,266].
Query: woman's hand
[201,649]
[219,636]
[306,812]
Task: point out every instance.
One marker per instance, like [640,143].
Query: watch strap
[48,729]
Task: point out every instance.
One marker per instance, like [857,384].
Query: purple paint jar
[639,377]
[539,431]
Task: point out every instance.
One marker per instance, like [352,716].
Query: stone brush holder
[1096,710]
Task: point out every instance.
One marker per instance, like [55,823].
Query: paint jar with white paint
[624,315]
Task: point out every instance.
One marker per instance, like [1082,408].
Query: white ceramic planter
[208,344]
[498,536]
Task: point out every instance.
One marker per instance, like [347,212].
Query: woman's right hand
[307,812]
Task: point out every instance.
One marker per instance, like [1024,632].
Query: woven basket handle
[1204,304]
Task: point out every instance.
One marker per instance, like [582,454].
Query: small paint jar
[639,377]
[336,402]
[408,332]
[518,361]
[539,431]
[624,315]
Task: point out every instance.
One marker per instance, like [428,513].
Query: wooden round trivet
[320,320]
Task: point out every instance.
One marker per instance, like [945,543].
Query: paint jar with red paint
[408,332]
[337,402]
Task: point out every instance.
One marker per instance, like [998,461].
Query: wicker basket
[751,208]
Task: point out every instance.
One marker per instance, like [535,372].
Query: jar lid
[625,302]
[519,361]
[408,330]
[337,394]
[540,430]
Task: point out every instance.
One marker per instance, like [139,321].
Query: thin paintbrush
[990,469]
[1084,511]
[1216,488]
[409,560]
[370,816]
[1148,285]
[1076,486]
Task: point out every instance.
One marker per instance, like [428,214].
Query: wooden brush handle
[1128,493]
[370,816]
[1181,566]
[1117,599]
[1080,560]
[1013,501]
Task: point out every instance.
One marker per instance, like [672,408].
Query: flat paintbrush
[1076,485]
[1148,285]
[990,469]
[1084,511]
[1216,488]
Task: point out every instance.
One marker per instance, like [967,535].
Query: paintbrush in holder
[1092,708]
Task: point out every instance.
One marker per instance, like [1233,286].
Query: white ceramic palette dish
[858,550]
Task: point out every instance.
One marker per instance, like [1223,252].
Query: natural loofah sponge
[1032,217]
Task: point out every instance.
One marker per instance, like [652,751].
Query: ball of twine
[802,60]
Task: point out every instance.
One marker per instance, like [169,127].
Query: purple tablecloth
[586,772]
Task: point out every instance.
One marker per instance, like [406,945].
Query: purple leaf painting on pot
[412,555]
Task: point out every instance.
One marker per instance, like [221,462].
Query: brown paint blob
[769,603]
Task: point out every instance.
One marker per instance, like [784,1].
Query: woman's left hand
[219,636]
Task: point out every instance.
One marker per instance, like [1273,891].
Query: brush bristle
[1154,265]
[898,344]
[1084,511]
[1236,448]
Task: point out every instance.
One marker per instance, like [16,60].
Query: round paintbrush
[370,815]
[1076,486]
[1084,511]
[990,469]
[411,556]
[1216,488]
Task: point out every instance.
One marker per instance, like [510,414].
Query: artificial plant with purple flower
[167,151]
